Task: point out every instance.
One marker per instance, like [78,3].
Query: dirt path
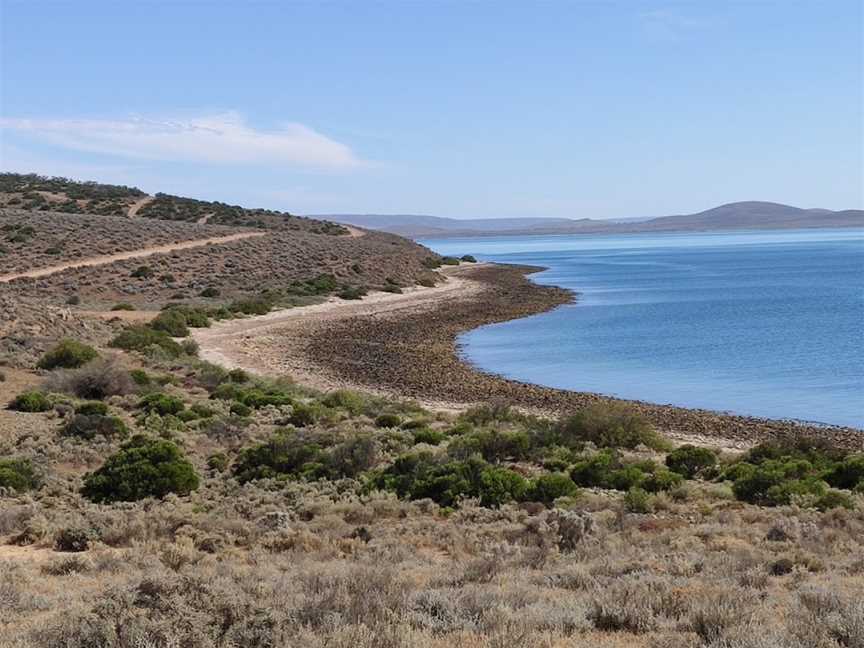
[205,218]
[135,207]
[131,254]
[353,232]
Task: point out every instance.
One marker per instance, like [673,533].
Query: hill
[732,216]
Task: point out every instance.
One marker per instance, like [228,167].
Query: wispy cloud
[673,24]
[223,138]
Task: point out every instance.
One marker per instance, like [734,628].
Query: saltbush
[18,475]
[388,421]
[172,321]
[68,354]
[94,381]
[140,338]
[161,404]
[143,467]
[691,461]
[31,401]
[549,487]
[88,426]
[609,426]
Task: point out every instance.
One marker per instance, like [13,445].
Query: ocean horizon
[758,323]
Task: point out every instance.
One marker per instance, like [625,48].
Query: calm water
[767,324]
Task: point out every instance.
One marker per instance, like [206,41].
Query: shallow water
[760,323]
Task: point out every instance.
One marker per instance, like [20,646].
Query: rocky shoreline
[412,352]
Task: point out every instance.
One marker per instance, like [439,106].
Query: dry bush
[94,381]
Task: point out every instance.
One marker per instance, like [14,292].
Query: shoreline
[405,346]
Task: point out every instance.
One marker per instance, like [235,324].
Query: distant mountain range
[733,216]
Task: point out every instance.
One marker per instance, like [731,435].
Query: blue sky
[463,109]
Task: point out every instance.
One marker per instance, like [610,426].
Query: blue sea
[768,324]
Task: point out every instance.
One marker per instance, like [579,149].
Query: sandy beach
[405,346]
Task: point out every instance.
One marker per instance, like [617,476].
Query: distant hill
[732,216]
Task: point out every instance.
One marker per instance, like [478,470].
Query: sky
[461,109]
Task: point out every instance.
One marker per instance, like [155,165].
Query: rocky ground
[413,352]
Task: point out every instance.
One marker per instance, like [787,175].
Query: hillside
[733,216]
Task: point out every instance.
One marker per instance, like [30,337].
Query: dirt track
[131,254]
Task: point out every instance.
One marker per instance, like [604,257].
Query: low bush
[123,306]
[140,338]
[549,487]
[68,354]
[18,475]
[426,435]
[92,408]
[352,292]
[352,402]
[251,306]
[609,426]
[450,261]
[217,462]
[303,414]
[691,461]
[94,381]
[210,292]
[172,321]
[284,455]
[637,500]
[31,401]
[420,476]
[89,426]
[142,272]
[161,404]
[73,539]
[143,467]
[848,474]
[605,469]
[468,258]
[388,421]
[492,445]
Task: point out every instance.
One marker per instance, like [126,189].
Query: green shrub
[638,500]
[143,467]
[848,474]
[493,445]
[284,455]
[352,292]
[597,470]
[450,261]
[140,338]
[500,485]
[218,462]
[240,409]
[420,476]
[351,401]
[549,487]
[427,435]
[468,258]
[254,397]
[32,401]
[161,404]
[123,306]
[691,461]
[835,499]
[172,321]
[388,421]
[210,292]
[142,272]
[609,426]
[68,354]
[73,539]
[92,408]
[303,415]
[18,475]
[88,426]
[238,376]
[252,306]
[141,377]
[775,483]
[352,457]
